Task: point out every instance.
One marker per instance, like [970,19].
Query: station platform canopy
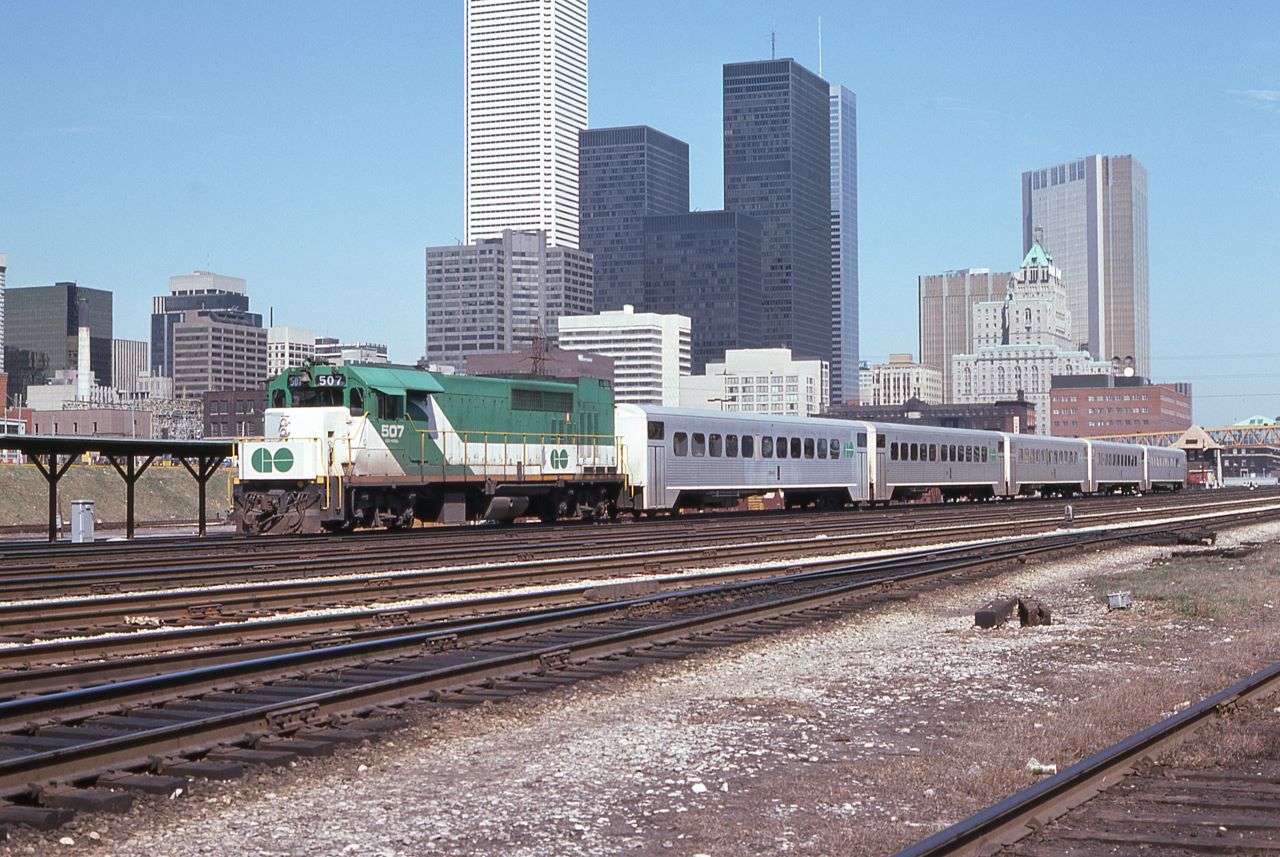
[53,455]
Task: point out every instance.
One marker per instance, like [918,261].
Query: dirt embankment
[166,492]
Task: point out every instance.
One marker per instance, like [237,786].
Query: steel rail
[1034,807]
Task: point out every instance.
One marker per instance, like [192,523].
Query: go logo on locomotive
[265,462]
[559,458]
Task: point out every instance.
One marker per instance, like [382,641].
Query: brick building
[1093,405]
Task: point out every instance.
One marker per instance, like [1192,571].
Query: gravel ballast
[856,735]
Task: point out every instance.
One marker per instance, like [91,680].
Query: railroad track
[1119,802]
[67,569]
[199,720]
[112,612]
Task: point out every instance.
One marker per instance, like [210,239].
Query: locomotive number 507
[393,431]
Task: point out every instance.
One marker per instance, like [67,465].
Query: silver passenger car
[684,458]
[1042,465]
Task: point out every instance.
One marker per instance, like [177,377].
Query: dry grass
[1202,586]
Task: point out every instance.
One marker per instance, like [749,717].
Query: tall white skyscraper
[526,101]
[844,244]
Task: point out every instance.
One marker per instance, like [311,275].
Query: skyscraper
[42,325]
[777,168]
[844,245]
[624,175]
[525,102]
[706,265]
[1091,215]
[201,290]
[946,315]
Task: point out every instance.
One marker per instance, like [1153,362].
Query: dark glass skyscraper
[42,326]
[777,168]
[624,175]
[706,265]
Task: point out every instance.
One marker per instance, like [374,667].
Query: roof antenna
[773,44]
[819,46]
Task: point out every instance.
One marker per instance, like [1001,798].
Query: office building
[625,174]
[525,102]
[201,290]
[1094,405]
[218,350]
[899,381]
[844,244]
[340,353]
[946,315]
[650,351]
[1015,416]
[760,380]
[501,294]
[42,333]
[128,361]
[706,265]
[234,413]
[777,168]
[289,346]
[1091,215]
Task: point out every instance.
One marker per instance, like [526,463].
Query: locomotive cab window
[749,446]
[680,444]
[657,430]
[356,397]
[277,398]
[390,405]
[699,444]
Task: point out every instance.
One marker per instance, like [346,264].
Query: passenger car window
[984,453]
[699,444]
[862,439]
[914,455]
[893,451]
[680,443]
[822,447]
[933,452]
[749,446]
[835,447]
[657,429]
[808,447]
[731,446]
[795,447]
[781,447]
[717,446]
[766,447]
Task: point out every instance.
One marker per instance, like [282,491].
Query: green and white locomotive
[365,445]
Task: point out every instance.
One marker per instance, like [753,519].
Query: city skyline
[202,171]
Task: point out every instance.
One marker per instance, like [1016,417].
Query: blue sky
[315,148]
